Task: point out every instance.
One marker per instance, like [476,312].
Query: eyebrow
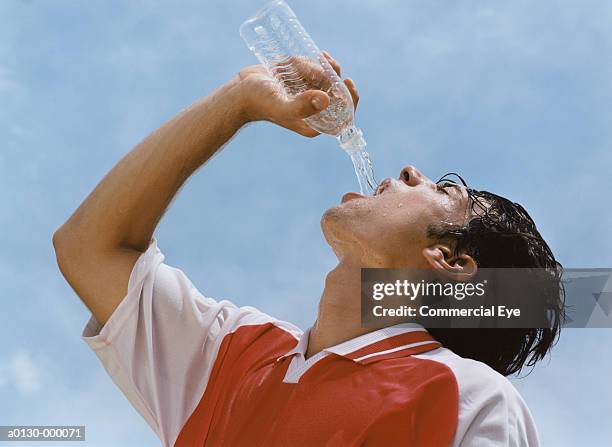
[450,183]
[448,178]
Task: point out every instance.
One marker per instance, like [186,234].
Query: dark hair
[501,234]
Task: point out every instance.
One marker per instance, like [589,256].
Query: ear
[458,268]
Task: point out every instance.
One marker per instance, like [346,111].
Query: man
[203,372]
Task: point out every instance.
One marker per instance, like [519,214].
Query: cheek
[385,224]
[398,229]
[393,225]
[392,213]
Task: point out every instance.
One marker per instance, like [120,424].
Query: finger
[306,104]
[308,71]
[333,62]
[352,90]
[307,131]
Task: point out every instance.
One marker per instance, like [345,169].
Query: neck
[339,317]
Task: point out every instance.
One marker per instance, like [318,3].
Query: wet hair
[501,234]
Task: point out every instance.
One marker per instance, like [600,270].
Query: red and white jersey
[206,372]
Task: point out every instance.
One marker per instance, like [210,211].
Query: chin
[331,219]
[338,218]
[340,225]
[334,224]
[349,214]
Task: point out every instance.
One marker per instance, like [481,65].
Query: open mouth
[355,195]
[382,186]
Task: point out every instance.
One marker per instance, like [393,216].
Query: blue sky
[516,96]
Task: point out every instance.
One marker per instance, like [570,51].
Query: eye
[441,186]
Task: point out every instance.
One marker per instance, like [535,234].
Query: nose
[411,176]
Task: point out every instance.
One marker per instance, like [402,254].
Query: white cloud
[21,372]
[8,82]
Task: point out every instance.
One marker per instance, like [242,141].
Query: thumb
[308,103]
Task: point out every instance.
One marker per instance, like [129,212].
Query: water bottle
[282,45]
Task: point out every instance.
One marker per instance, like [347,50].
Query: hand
[263,98]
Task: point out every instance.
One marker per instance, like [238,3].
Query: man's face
[389,229]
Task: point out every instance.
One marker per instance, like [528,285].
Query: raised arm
[97,246]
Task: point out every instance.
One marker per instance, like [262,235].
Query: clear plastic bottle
[282,45]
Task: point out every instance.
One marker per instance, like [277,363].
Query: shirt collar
[400,340]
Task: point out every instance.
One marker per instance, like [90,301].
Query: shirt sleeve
[500,419]
[159,345]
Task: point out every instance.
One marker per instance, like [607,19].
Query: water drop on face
[400,205]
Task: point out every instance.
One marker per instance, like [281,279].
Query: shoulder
[474,378]
[489,405]
[172,292]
